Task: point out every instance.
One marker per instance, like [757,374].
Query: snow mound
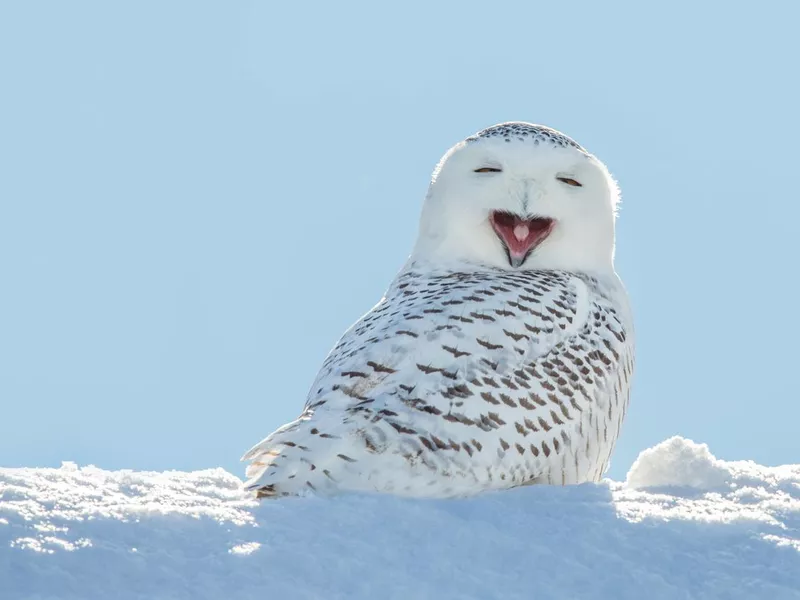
[678,462]
[82,532]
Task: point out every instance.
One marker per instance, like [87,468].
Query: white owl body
[501,355]
[462,381]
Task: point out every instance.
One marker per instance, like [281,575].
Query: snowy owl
[502,353]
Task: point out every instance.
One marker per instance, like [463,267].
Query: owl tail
[295,460]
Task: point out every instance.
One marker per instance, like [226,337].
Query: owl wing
[472,380]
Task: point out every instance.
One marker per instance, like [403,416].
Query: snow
[678,462]
[684,525]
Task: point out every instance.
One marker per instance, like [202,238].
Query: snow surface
[684,525]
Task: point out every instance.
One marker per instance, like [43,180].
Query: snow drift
[683,525]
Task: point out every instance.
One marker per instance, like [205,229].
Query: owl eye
[570,181]
[488,170]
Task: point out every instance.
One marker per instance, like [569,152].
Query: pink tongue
[521,231]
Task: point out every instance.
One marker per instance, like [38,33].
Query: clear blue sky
[196,199]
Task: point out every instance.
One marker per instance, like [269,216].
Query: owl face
[524,198]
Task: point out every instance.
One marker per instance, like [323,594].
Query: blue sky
[197,198]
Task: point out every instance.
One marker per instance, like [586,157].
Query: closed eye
[488,170]
[570,181]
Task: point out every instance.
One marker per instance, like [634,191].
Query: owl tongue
[520,235]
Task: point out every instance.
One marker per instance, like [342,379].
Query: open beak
[520,235]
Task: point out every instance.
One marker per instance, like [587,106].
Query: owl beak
[520,235]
